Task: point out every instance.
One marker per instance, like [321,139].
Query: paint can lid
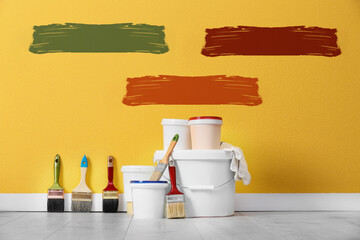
[144,181]
[148,184]
[205,120]
[168,121]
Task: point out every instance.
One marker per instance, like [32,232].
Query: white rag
[238,164]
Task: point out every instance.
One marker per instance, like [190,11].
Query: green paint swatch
[76,37]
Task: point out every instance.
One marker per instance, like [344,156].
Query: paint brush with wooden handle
[160,168]
[82,195]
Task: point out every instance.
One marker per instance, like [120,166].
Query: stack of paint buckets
[202,170]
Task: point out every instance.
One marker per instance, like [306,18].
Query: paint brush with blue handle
[82,195]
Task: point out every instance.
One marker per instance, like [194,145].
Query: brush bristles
[81,206]
[158,172]
[81,201]
[110,201]
[55,205]
[155,176]
[110,205]
[175,210]
[55,201]
[129,208]
[175,207]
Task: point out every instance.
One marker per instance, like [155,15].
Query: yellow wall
[305,137]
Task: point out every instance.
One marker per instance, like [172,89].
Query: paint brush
[55,201]
[175,207]
[82,195]
[110,193]
[160,168]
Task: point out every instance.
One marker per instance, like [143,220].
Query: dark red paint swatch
[296,40]
[178,90]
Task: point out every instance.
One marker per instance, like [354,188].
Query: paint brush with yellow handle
[160,168]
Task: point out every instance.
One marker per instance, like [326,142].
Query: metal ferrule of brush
[55,194]
[160,167]
[175,198]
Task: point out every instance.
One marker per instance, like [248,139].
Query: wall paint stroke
[246,40]
[202,90]
[76,37]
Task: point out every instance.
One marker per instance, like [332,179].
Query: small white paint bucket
[134,172]
[149,198]
[205,132]
[176,126]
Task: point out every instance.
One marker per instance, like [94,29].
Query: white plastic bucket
[205,178]
[149,198]
[134,172]
[176,126]
[205,132]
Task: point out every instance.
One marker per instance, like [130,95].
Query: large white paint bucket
[134,172]
[205,132]
[205,178]
[149,198]
[176,126]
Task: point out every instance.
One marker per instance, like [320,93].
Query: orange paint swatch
[176,90]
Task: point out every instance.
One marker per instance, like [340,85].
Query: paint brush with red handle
[175,207]
[110,193]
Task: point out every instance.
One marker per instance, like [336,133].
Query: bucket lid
[148,184]
[145,181]
[205,120]
[136,168]
[167,121]
[202,155]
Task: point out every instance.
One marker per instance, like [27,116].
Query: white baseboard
[297,201]
[38,202]
[243,202]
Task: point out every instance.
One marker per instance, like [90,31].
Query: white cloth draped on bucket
[238,164]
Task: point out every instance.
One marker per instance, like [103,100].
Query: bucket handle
[196,188]
[207,188]
[192,188]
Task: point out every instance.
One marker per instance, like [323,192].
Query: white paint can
[134,172]
[205,132]
[205,178]
[149,198]
[176,126]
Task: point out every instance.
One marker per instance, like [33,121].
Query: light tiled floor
[244,225]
